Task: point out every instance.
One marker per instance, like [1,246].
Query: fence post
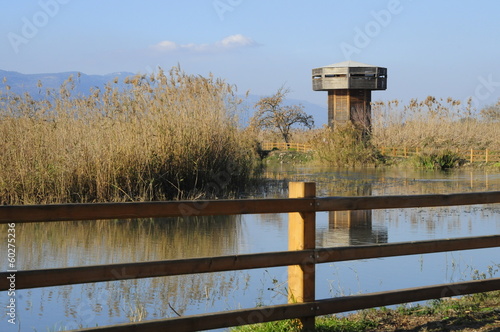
[302,235]
[471,155]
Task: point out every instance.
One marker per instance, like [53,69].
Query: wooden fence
[471,155]
[301,147]
[301,257]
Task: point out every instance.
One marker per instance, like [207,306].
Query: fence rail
[301,147]
[471,155]
[301,257]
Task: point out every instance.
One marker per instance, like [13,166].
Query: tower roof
[349,75]
[350,63]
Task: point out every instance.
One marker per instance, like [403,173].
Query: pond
[63,244]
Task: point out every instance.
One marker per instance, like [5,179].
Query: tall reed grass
[438,126]
[162,136]
[433,123]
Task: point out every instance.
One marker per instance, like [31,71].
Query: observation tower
[349,85]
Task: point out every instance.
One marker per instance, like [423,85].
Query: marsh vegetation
[165,135]
[170,135]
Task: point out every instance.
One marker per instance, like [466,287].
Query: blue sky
[440,48]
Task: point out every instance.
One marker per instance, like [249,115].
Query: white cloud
[236,41]
[166,45]
[229,42]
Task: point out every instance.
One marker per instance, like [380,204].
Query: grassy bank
[479,312]
[279,157]
[163,136]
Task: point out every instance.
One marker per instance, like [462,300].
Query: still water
[105,242]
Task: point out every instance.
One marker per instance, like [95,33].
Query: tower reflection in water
[353,227]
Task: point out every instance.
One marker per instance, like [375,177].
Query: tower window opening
[335,75]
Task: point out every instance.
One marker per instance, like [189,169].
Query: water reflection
[386,181]
[351,228]
[49,245]
[80,243]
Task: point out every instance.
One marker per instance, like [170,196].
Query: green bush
[345,146]
[437,160]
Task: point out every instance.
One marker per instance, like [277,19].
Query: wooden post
[471,155]
[302,235]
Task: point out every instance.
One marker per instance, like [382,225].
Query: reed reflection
[80,243]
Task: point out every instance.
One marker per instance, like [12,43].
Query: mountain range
[21,83]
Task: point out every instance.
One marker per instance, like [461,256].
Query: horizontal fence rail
[300,310]
[301,147]
[112,272]
[91,211]
[302,253]
[471,155]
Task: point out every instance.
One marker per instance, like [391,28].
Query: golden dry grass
[433,123]
[166,135]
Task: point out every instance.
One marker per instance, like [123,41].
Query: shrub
[437,160]
[345,146]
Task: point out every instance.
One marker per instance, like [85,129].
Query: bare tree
[361,119]
[272,114]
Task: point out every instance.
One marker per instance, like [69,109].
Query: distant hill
[21,83]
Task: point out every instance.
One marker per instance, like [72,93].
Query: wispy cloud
[228,43]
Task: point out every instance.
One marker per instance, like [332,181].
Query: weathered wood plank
[299,310]
[338,254]
[405,201]
[99,273]
[67,212]
[373,300]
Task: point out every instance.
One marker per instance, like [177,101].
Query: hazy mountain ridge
[21,83]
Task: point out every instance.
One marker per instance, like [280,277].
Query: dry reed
[162,136]
[434,124]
